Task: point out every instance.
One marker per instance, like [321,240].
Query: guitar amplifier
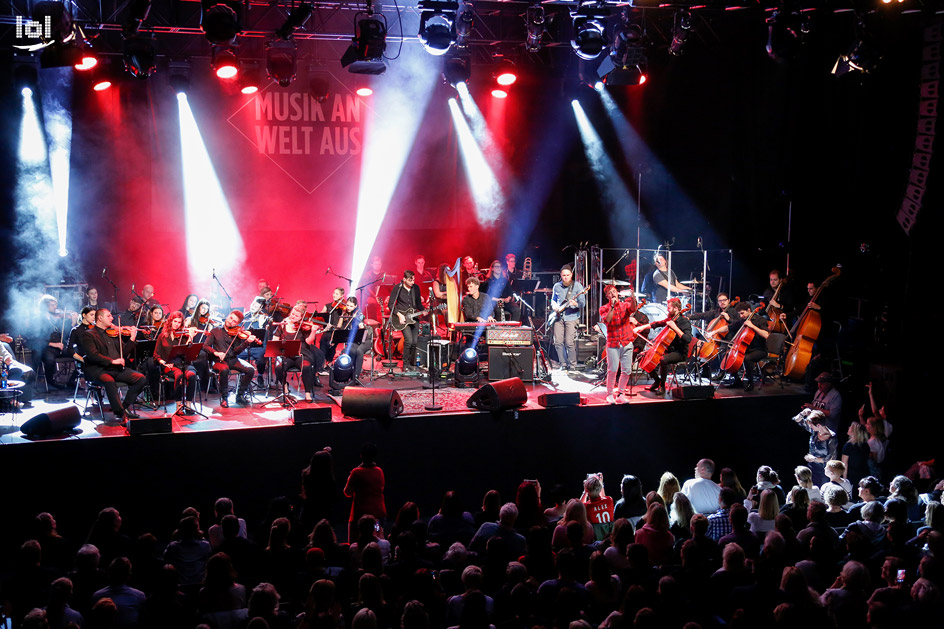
[508,336]
[511,362]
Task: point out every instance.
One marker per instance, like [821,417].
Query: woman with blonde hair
[804,478]
[680,516]
[668,487]
[655,535]
[762,521]
[575,511]
[855,453]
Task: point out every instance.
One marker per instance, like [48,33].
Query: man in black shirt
[476,306]
[663,281]
[728,314]
[105,363]
[757,350]
[784,300]
[677,351]
[225,347]
[403,297]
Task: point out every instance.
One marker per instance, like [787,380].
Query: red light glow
[88,62]
[250,89]
[364,91]
[499,94]
[506,78]
[642,79]
[226,71]
[102,85]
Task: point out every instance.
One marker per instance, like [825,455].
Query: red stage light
[496,93]
[226,71]
[506,78]
[88,62]
[250,89]
[102,85]
[225,63]
[642,79]
[364,91]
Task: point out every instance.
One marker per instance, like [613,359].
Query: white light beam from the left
[35,209]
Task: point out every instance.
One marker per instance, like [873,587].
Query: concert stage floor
[268,413]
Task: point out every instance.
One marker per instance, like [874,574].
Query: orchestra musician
[757,350]
[189,305]
[310,359]
[476,306]
[200,316]
[785,301]
[18,371]
[351,317]
[511,268]
[728,313]
[422,275]
[224,345]
[374,276]
[86,323]
[620,335]
[256,321]
[132,314]
[185,376]
[499,289]
[147,293]
[332,312]
[663,282]
[154,321]
[469,269]
[91,297]
[52,345]
[105,363]
[566,293]
[677,351]
[406,295]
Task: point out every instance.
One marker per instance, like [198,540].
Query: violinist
[311,359]
[86,323]
[185,376]
[153,322]
[189,305]
[201,315]
[757,350]
[352,319]
[224,344]
[620,334]
[134,312]
[256,322]
[50,347]
[677,351]
[105,362]
[333,312]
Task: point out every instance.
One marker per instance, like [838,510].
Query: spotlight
[681,32]
[506,74]
[137,13]
[61,55]
[27,92]
[139,57]
[295,20]
[221,21]
[534,20]
[628,57]
[784,28]
[225,63]
[437,31]
[365,55]
[364,90]
[861,55]
[342,374]
[88,62]
[467,368]
[178,75]
[498,93]
[465,20]
[26,75]
[249,81]
[588,41]
[319,85]
[280,61]
[457,69]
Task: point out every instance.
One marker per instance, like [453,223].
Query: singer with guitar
[404,297]
[567,300]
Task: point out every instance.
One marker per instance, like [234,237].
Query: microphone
[328,270]
[214,273]
[700,246]
[103,271]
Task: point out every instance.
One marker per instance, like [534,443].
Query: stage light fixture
[103,77]
[88,62]
[249,81]
[342,374]
[365,54]
[861,55]
[178,75]
[295,20]
[437,30]
[589,24]
[281,55]
[681,32]
[56,19]
[61,55]
[225,64]
[457,69]
[319,84]
[534,20]
[467,368]
[784,29]
[221,21]
[465,20]
[628,57]
[499,93]
[138,11]
[505,74]
[139,56]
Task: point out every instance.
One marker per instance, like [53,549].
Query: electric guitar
[556,312]
[410,316]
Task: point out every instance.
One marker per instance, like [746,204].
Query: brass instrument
[526,269]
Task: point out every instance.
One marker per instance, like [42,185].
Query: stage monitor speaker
[371,403]
[511,362]
[559,399]
[499,396]
[151,425]
[700,392]
[318,415]
[53,422]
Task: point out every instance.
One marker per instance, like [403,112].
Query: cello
[805,332]
[709,349]
[735,357]
[651,358]
[776,324]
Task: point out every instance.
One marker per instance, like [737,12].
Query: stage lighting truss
[681,32]
[861,56]
[221,20]
[534,20]
[365,54]
[224,61]
[457,69]
[139,56]
[589,19]
[295,20]
[138,11]
[467,367]
[178,75]
[281,56]
[787,28]
[437,30]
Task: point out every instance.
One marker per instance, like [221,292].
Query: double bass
[709,349]
[651,358]
[805,332]
[742,340]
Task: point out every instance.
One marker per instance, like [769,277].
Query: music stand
[188,353]
[283,349]
[142,350]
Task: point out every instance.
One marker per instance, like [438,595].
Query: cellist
[677,351]
[757,350]
[725,313]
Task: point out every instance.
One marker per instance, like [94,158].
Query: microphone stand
[114,289]
[223,288]
[615,264]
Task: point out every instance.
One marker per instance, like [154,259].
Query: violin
[709,349]
[243,335]
[735,357]
[653,355]
[114,331]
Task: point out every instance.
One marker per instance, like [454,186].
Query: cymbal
[627,293]
[615,282]
[691,282]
